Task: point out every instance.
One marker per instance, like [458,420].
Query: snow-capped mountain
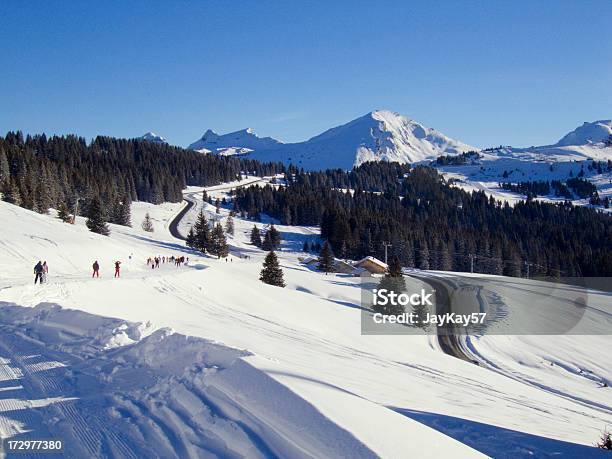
[587,141]
[377,136]
[152,137]
[588,133]
[239,142]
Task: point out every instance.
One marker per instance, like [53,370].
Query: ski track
[45,377]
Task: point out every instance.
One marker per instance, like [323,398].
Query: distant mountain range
[382,135]
[377,136]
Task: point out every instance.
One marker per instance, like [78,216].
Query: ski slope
[205,360]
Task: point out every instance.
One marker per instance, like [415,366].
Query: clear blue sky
[486,72]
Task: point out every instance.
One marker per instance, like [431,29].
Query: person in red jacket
[96,269]
[117,268]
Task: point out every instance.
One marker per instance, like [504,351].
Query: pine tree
[218,244]
[271,273]
[393,281]
[4,168]
[275,237]
[96,221]
[229,225]
[326,258]
[202,233]
[62,212]
[217,206]
[255,236]
[286,220]
[190,239]
[267,242]
[423,256]
[147,224]
[10,193]
[124,216]
[306,247]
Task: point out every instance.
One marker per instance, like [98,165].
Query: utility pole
[386,245]
[471,255]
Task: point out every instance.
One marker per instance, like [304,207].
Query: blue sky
[485,72]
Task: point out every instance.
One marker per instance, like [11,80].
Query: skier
[45,272]
[38,271]
[117,268]
[157,262]
[96,269]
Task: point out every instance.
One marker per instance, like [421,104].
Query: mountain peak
[380,135]
[152,137]
[588,133]
[242,141]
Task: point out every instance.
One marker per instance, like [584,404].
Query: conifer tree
[306,247]
[147,223]
[62,212]
[10,193]
[286,216]
[275,237]
[125,212]
[96,221]
[272,273]
[326,258]
[4,168]
[202,233]
[267,243]
[218,244]
[217,206]
[255,236]
[190,239]
[229,225]
[423,256]
[393,281]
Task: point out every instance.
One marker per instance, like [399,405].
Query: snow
[380,135]
[588,133]
[205,359]
[152,137]
[383,135]
[239,142]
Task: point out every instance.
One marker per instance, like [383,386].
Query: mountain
[152,137]
[587,134]
[377,136]
[588,141]
[239,142]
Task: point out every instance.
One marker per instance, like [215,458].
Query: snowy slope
[587,134]
[239,142]
[152,137]
[270,370]
[377,136]
[569,157]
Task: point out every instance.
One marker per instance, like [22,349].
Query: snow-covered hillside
[588,134]
[377,136]
[205,360]
[239,142]
[152,137]
[572,156]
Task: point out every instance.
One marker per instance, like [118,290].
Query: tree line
[39,172]
[432,225]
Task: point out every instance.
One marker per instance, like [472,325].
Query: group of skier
[155,262]
[41,268]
